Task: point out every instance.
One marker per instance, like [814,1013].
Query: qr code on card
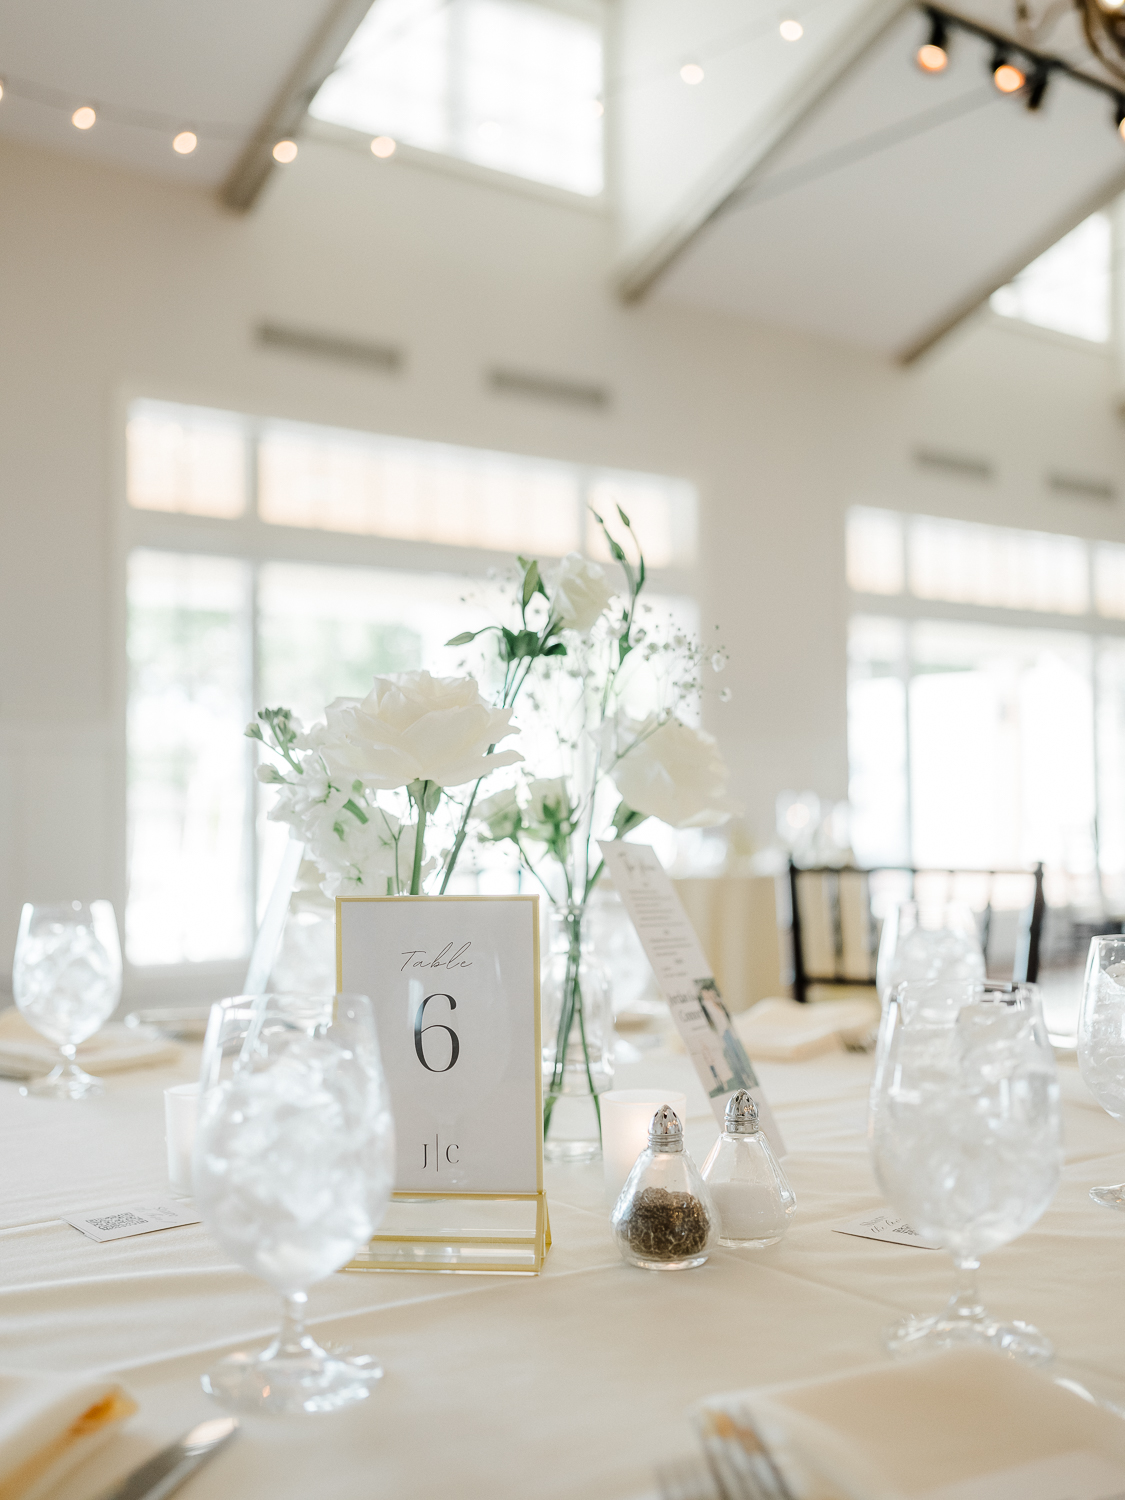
[116,1221]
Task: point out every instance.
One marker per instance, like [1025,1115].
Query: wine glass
[66,980]
[922,940]
[965,1140]
[292,1169]
[1101,1039]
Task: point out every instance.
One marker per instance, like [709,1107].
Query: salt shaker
[664,1219]
[749,1189]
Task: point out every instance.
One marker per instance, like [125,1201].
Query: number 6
[420,1031]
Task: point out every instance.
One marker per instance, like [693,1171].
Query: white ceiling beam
[290,105]
[639,269]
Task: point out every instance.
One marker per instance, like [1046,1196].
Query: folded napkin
[49,1425]
[26,1054]
[780,1030]
[965,1425]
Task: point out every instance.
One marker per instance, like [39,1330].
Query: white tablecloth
[570,1384]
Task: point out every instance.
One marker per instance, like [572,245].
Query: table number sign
[685,978]
[455,985]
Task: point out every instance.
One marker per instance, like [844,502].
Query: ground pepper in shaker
[750,1191]
[664,1219]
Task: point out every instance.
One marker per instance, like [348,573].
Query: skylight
[1067,288]
[508,84]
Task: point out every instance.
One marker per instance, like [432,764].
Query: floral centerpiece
[604,694]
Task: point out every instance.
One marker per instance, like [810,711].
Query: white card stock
[886,1226]
[120,1223]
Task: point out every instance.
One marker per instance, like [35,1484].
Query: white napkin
[26,1054]
[49,1425]
[778,1030]
[965,1425]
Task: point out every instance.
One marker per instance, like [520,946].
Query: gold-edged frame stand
[467,1250]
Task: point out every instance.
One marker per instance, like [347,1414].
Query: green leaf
[464,638]
[556,649]
[531,584]
[356,812]
[624,518]
[507,644]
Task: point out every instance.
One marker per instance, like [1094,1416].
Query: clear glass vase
[577,1040]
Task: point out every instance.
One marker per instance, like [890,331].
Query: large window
[275,563]
[509,84]
[986,699]
[1067,288]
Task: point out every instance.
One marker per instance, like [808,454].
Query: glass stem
[289,1340]
[69,1054]
[965,1301]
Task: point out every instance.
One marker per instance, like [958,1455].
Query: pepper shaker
[664,1219]
[749,1189]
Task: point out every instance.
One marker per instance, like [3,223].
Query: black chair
[851,927]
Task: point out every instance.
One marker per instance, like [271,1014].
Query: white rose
[581,592]
[550,801]
[672,772]
[414,727]
[500,814]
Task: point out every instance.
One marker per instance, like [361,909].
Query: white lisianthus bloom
[550,801]
[414,727]
[500,814]
[581,592]
[672,772]
[359,859]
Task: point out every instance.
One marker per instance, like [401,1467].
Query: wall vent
[548,388]
[329,346]
[1080,487]
[956,465]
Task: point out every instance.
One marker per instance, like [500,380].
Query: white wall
[110,282]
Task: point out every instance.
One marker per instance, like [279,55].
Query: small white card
[685,978]
[886,1226]
[1080,1475]
[119,1223]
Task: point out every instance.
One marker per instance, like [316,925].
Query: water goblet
[965,1140]
[66,981]
[293,1166]
[922,941]
[1101,1039]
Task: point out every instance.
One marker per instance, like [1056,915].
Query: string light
[285,152]
[185,143]
[791,31]
[83,117]
[383,146]
[932,56]
[1005,75]
[1,88]
[691,73]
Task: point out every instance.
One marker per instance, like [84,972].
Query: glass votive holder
[181,1108]
[626,1119]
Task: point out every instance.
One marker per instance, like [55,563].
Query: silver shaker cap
[742,1115]
[666,1133]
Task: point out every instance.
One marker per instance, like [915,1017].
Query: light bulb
[931,58]
[691,73]
[1,88]
[184,143]
[285,152]
[791,31]
[597,108]
[83,117]
[1121,127]
[1008,78]
[383,146]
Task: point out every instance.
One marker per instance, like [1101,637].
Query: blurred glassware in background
[293,1168]
[923,941]
[66,981]
[966,1141]
[813,832]
[1101,1039]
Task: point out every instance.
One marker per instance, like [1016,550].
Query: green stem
[419,848]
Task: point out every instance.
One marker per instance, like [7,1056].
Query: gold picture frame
[479,1232]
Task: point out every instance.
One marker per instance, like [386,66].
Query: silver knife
[164,1474]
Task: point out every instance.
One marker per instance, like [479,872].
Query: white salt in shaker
[747,1185]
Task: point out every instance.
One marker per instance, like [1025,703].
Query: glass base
[572,1150]
[300,1377]
[67,1081]
[572,1133]
[1109,1197]
[667,1265]
[952,1330]
[749,1244]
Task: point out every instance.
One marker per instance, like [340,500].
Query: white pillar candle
[626,1117]
[181,1106]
